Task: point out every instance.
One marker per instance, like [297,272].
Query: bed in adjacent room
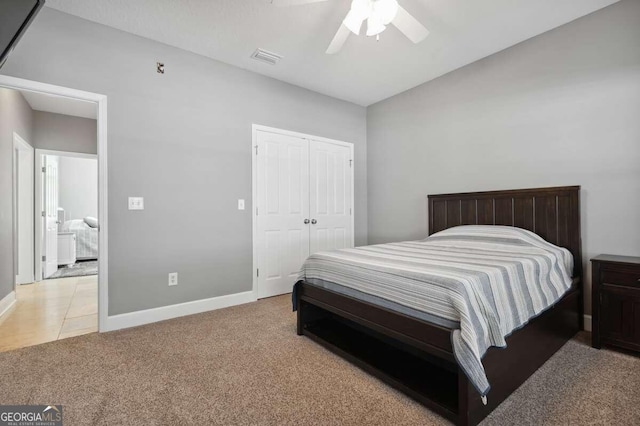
[86,231]
[429,317]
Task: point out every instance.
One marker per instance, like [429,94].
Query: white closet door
[330,196]
[283,206]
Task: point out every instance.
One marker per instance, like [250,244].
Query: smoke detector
[266,56]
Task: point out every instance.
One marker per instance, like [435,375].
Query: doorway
[303,203]
[65,291]
[66,195]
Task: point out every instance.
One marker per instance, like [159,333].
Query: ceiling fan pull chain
[377,37]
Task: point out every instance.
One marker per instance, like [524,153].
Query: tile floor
[50,310]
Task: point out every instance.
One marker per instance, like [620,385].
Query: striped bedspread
[490,279]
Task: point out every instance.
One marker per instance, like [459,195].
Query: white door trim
[19,144]
[255,128]
[37,212]
[101,101]
[66,154]
[38,204]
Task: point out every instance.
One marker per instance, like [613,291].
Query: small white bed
[86,238]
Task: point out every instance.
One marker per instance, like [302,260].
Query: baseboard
[147,316]
[7,302]
[587,322]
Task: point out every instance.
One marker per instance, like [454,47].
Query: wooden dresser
[616,301]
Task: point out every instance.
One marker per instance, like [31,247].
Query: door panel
[50,180]
[620,318]
[283,192]
[330,196]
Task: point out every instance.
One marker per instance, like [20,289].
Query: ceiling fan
[377,13]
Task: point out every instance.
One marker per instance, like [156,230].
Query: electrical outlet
[173,278]
[240,204]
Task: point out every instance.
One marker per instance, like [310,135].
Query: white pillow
[91,221]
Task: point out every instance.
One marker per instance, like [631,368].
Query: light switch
[136,203]
[240,204]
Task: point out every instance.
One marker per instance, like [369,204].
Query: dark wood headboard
[552,213]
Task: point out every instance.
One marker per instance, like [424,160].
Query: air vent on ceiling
[266,56]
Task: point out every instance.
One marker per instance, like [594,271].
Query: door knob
[313,221]
[306,221]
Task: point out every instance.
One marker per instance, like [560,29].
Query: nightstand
[616,302]
[66,248]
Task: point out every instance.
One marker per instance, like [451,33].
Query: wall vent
[266,56]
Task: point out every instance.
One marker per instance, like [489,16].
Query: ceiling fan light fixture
[379,14]
[385,10]
[374,26]
[360,10]
[353,22]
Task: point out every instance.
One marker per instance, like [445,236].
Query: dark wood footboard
[527,350]
[416,357]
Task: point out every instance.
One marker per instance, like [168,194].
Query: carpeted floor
[245,365]
[81,268]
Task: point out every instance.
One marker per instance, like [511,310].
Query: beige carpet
[245,365]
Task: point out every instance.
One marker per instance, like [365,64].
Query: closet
[303,203]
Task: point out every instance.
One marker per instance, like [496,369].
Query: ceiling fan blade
[410,26]
[338,40]
[283,3]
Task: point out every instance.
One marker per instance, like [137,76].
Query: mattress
[483,282]
[384,303]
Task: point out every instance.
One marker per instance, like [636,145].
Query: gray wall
[560,109]
[15,116]
[64,133]
[182,140]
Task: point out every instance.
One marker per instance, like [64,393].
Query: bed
[421,356]
[86,238]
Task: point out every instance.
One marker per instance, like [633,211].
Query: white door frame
[101,101]
[19,144]
[255,128]
[39,230]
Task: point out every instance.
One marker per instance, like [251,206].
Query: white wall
[78,186]
[560,109]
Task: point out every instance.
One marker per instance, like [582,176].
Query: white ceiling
[60,105]
[365,71]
